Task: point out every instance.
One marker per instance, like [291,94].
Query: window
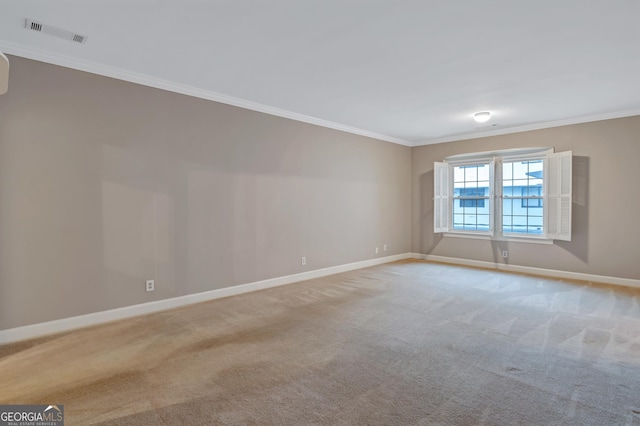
[471,197]
[531,189]
[522,183]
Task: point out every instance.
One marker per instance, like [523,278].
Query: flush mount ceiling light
[482,117]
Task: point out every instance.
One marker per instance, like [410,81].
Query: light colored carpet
[398,344]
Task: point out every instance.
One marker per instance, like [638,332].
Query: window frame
[555,199]
[543,156]
[488,197]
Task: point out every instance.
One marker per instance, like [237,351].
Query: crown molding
[146,80]
[529,127]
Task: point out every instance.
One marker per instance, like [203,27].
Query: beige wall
[606,200]
[104,184]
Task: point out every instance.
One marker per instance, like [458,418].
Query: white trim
[468,234]
[145,80]
[522,239]
[504,153]
[66,324]
[4,74]
[487,237]
[529,127]
[553,273]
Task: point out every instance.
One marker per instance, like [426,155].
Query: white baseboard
[627,282]
[66,324]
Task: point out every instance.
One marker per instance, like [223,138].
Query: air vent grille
[55,31]
[35,26]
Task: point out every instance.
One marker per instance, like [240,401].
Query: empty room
[320,212]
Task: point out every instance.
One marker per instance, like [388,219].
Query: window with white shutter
[559,196]
[513,194]
[441,197]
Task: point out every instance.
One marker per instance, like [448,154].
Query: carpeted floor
[398,344]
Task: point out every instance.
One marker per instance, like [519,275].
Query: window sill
[478,236]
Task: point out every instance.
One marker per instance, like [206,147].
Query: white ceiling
[410,72]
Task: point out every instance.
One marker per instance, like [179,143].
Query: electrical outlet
[151,285]
[303,261]
[376,250]
[384,247]
[505,254]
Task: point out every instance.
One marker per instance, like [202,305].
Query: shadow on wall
[428,240]
[497,247]
[578,246]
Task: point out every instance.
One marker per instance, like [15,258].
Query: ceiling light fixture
[482,117]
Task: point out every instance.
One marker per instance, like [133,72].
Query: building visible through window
[474,193]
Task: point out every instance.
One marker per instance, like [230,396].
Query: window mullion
[497,198]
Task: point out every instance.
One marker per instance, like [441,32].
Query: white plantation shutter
[558,198]
[441,197]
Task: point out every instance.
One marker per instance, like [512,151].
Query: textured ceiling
[411,72]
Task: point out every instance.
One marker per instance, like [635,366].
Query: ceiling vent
[55,31]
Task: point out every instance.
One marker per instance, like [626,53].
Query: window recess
[511,194]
